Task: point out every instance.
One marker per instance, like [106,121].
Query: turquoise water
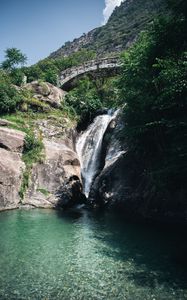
[81,255]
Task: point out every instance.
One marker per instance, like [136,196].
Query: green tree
[13,58]
[84,99]
[9,96]
[153,87]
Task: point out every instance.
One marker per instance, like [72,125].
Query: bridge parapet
[92,65]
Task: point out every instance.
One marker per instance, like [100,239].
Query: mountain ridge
[121,30]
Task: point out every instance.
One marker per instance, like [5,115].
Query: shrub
[9,95]
[154,90]
[32,153]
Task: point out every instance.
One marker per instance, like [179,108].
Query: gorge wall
[121,185]
[11,166]
[57,172]
[56,182]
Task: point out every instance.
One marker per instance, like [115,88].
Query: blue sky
[38,27]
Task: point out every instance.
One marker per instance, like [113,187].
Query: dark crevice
[4,146]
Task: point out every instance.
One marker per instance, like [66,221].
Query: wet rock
[121,184]
[71,193]
[87,118]
[111,186]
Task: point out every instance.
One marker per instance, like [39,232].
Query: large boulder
[11,166]
[54,181]
[71,193]
[45,91]
[51,181]
[111,187]
[48,177]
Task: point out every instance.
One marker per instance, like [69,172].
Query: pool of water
[45,254]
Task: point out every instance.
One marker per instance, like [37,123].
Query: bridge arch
[68,75]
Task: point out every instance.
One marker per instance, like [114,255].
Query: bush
[32,153]
[9,96]
[17,76]
[83,99]
[49,69]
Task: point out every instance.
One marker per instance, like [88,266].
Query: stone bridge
[68,75]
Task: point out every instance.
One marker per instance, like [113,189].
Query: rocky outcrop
[4,122]
[121,30]
[123,185]
[77,44]
[11,167]
[45,91]
[11,139]
[71,193]
[54,181]
[60,165]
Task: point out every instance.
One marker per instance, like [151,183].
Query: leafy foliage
[32,153]
[122,28]
[13,57]
[49,69]
[9,96]
[43,191]
[154,89]
[90,96]
[16,76]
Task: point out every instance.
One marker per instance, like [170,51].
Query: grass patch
[32,153]
[35,105]
[43,191]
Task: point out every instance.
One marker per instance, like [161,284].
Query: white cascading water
[89,147]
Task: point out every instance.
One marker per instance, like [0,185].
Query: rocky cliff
[122,28]
[122,186]
[55,179]
[59,167]
[11,166]
[111,186]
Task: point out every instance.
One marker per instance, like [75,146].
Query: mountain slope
[122,28]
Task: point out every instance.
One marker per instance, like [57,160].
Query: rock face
[11,167]
[111,186]
[46,92]
[71,193]
[11,140]
[55,181]
[60,165]
[77,44]
[124,186]
[4,122]
[121,30]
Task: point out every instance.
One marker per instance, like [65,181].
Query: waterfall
[89,148]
